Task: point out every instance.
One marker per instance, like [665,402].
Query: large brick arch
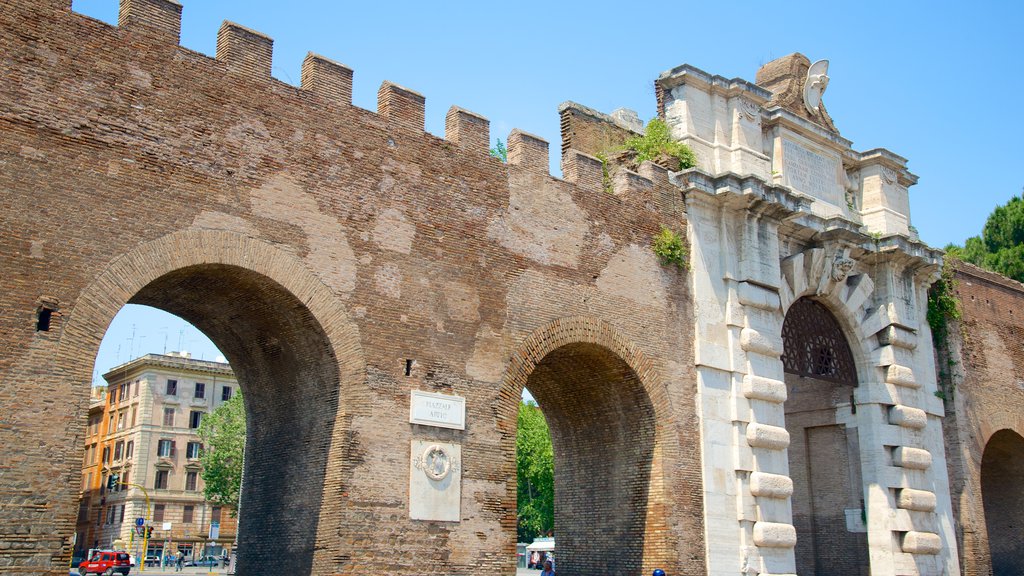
[594,386]
[295,352]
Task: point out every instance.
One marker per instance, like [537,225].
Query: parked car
[152,560]
[211,561]
[106,562]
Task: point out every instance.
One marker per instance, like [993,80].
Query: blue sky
[939,83]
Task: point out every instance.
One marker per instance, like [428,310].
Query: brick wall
[984,423]
[322,246]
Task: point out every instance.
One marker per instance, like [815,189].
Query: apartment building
[143,427]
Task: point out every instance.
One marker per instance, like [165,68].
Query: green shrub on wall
[670,248]
[658,146]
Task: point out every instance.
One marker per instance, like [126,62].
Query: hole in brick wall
[43,319]
[408,367]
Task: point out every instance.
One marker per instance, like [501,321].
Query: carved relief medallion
[435,462]
[750,110]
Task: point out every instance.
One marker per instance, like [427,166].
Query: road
[222,571]
[193,571]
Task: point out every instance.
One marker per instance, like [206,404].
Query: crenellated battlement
[248,54]
[351,264]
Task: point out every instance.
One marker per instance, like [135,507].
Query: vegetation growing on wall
[943,308]
[670,248]
[499,151]
[658,146]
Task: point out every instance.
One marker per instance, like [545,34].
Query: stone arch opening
[602,435]
[289,376]
[296,357]
[824,454]
[595,393]
[1002,475]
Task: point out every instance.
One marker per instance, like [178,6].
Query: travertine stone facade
[342,258]
[781,208]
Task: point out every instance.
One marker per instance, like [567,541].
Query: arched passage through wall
[594,391]
[293,352]
[824,454]
[1002,479]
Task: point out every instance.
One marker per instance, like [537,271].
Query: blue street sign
[140,521]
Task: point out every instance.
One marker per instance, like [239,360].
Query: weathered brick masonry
[343,258]
[985,421]
[322,246]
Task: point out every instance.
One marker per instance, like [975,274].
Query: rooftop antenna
[181,334]
[131,344]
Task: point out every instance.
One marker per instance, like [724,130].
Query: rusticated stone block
[911,499]
[767,389]
[765,436]
[921,543]
[913,458]
[901,376]
[774,535]
[908,417]
[771,485]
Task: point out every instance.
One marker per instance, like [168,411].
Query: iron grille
[814,345]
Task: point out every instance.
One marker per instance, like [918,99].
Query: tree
[1000,247]
[535,473]
[223,434]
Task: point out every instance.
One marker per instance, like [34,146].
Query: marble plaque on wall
[435,481]
[433,409]
[811,172]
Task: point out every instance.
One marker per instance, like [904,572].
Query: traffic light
[112,482]
[149,532]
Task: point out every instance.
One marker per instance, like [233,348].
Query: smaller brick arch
[289,340]
[1002,475]
[1000,421]
[602,398]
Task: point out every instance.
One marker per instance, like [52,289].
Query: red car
[107,562]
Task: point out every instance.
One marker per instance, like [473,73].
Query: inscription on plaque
[441,410]
[811,173]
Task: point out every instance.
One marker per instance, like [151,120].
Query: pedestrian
[181,560]
[548,570]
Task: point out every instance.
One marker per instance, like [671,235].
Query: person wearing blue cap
[658,572]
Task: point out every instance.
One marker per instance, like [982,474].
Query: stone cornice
[754,193]
[687,74]
[162,361]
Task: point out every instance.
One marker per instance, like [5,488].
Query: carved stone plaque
[442,410]
[435,481]
[811,173]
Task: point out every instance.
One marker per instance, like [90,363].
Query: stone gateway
[384,297]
